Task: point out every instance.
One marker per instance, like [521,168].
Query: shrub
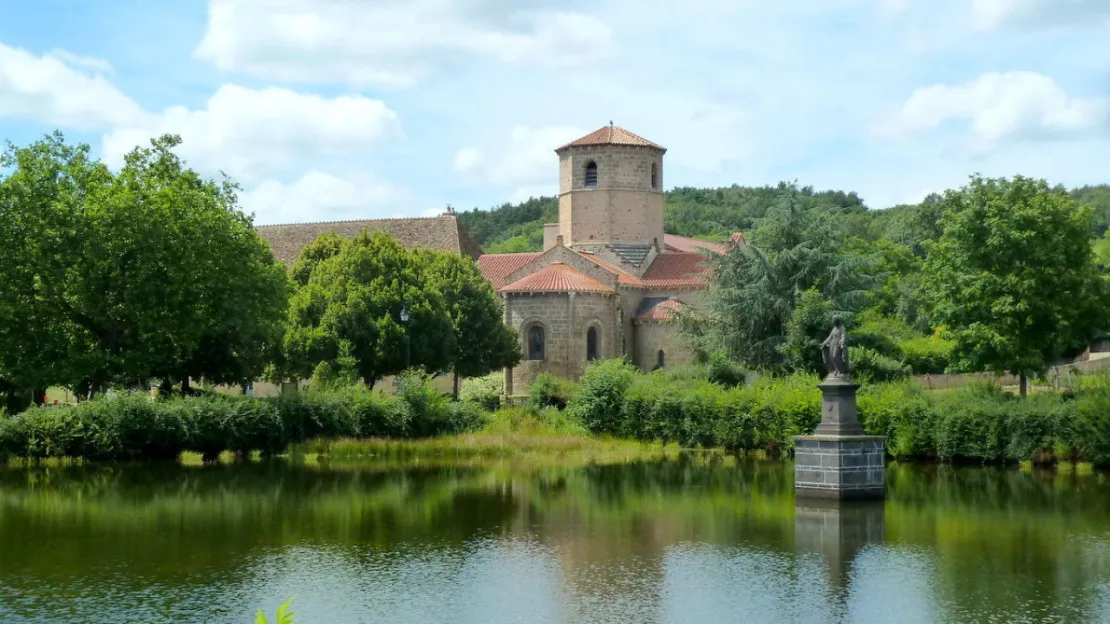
[1089,432]
[134,426]
[927,355]
[485,392]
[870,365]
[722,370]
[547,390]
[599,400]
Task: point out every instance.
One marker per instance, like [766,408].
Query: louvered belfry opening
[591,174]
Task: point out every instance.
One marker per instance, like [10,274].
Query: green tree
[324,247]
[117,278]
[806,330]
[41,199]
[357,296]
[483,343]
[1012,277]
[753,289]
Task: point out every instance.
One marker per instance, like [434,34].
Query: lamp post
[405,322]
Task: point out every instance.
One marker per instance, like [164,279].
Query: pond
[694,539]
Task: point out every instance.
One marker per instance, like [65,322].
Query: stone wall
[650,337]
[566,319]
[624,207]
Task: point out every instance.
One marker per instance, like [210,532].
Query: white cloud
[58,88]
[1013,105]
[392,43]
[527,157]
[319,196]
[90,63]
[988,14]
[253,134]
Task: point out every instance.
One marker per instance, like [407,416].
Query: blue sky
[344,109]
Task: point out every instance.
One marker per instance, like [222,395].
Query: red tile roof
[660,310]
[557,277]
[497,267]
[624,278]
[682,243]
[611,135]
[676,270]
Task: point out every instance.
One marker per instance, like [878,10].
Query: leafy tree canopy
[1012,277]
[119,277]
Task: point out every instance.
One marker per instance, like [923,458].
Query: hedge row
[979,423]
[135,427]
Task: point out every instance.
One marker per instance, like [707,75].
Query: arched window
[654,177]
[535,343]
[591,174]
[662,357]
[591,344]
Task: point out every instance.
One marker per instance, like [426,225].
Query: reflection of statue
[833,350]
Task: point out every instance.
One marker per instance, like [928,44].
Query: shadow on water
[695,539]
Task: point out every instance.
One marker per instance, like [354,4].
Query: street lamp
[405,322]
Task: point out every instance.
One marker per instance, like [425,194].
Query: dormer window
[591,174]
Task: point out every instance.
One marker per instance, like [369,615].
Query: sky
[350,109]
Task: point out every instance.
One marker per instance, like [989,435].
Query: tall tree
[753,289]
[356,298]
[483,343]
[1013,276]
[118,278]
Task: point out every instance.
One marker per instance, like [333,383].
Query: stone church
[608,279]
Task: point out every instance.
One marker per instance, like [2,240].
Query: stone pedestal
[839,461]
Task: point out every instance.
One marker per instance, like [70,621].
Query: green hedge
[135,427]
[614,398]
[977,423]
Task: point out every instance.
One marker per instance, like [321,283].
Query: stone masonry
[840,467]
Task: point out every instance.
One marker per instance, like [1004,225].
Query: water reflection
[837,531]
[694,540]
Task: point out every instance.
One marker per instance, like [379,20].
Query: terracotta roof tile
[497,267]
[624,278]
[658,309]
[682,243]
[443,233]
[556,277]
[676,270]
[611,135]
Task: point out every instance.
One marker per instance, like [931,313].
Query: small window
[654,177]
[535,343]
[591,344]
[662,359]
[591,174]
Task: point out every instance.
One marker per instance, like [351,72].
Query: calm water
[682,541]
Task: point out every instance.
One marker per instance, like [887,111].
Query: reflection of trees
[999,541]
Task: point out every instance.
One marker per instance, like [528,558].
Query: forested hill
[714,213]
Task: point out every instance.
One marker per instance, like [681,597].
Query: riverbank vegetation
[613,414]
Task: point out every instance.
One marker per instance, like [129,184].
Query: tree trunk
[1023,384]
[455,389]
[185,386]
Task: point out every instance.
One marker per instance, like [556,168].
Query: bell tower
[611,192]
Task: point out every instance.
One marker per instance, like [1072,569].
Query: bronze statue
[834,351]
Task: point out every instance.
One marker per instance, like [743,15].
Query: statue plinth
[839,461]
